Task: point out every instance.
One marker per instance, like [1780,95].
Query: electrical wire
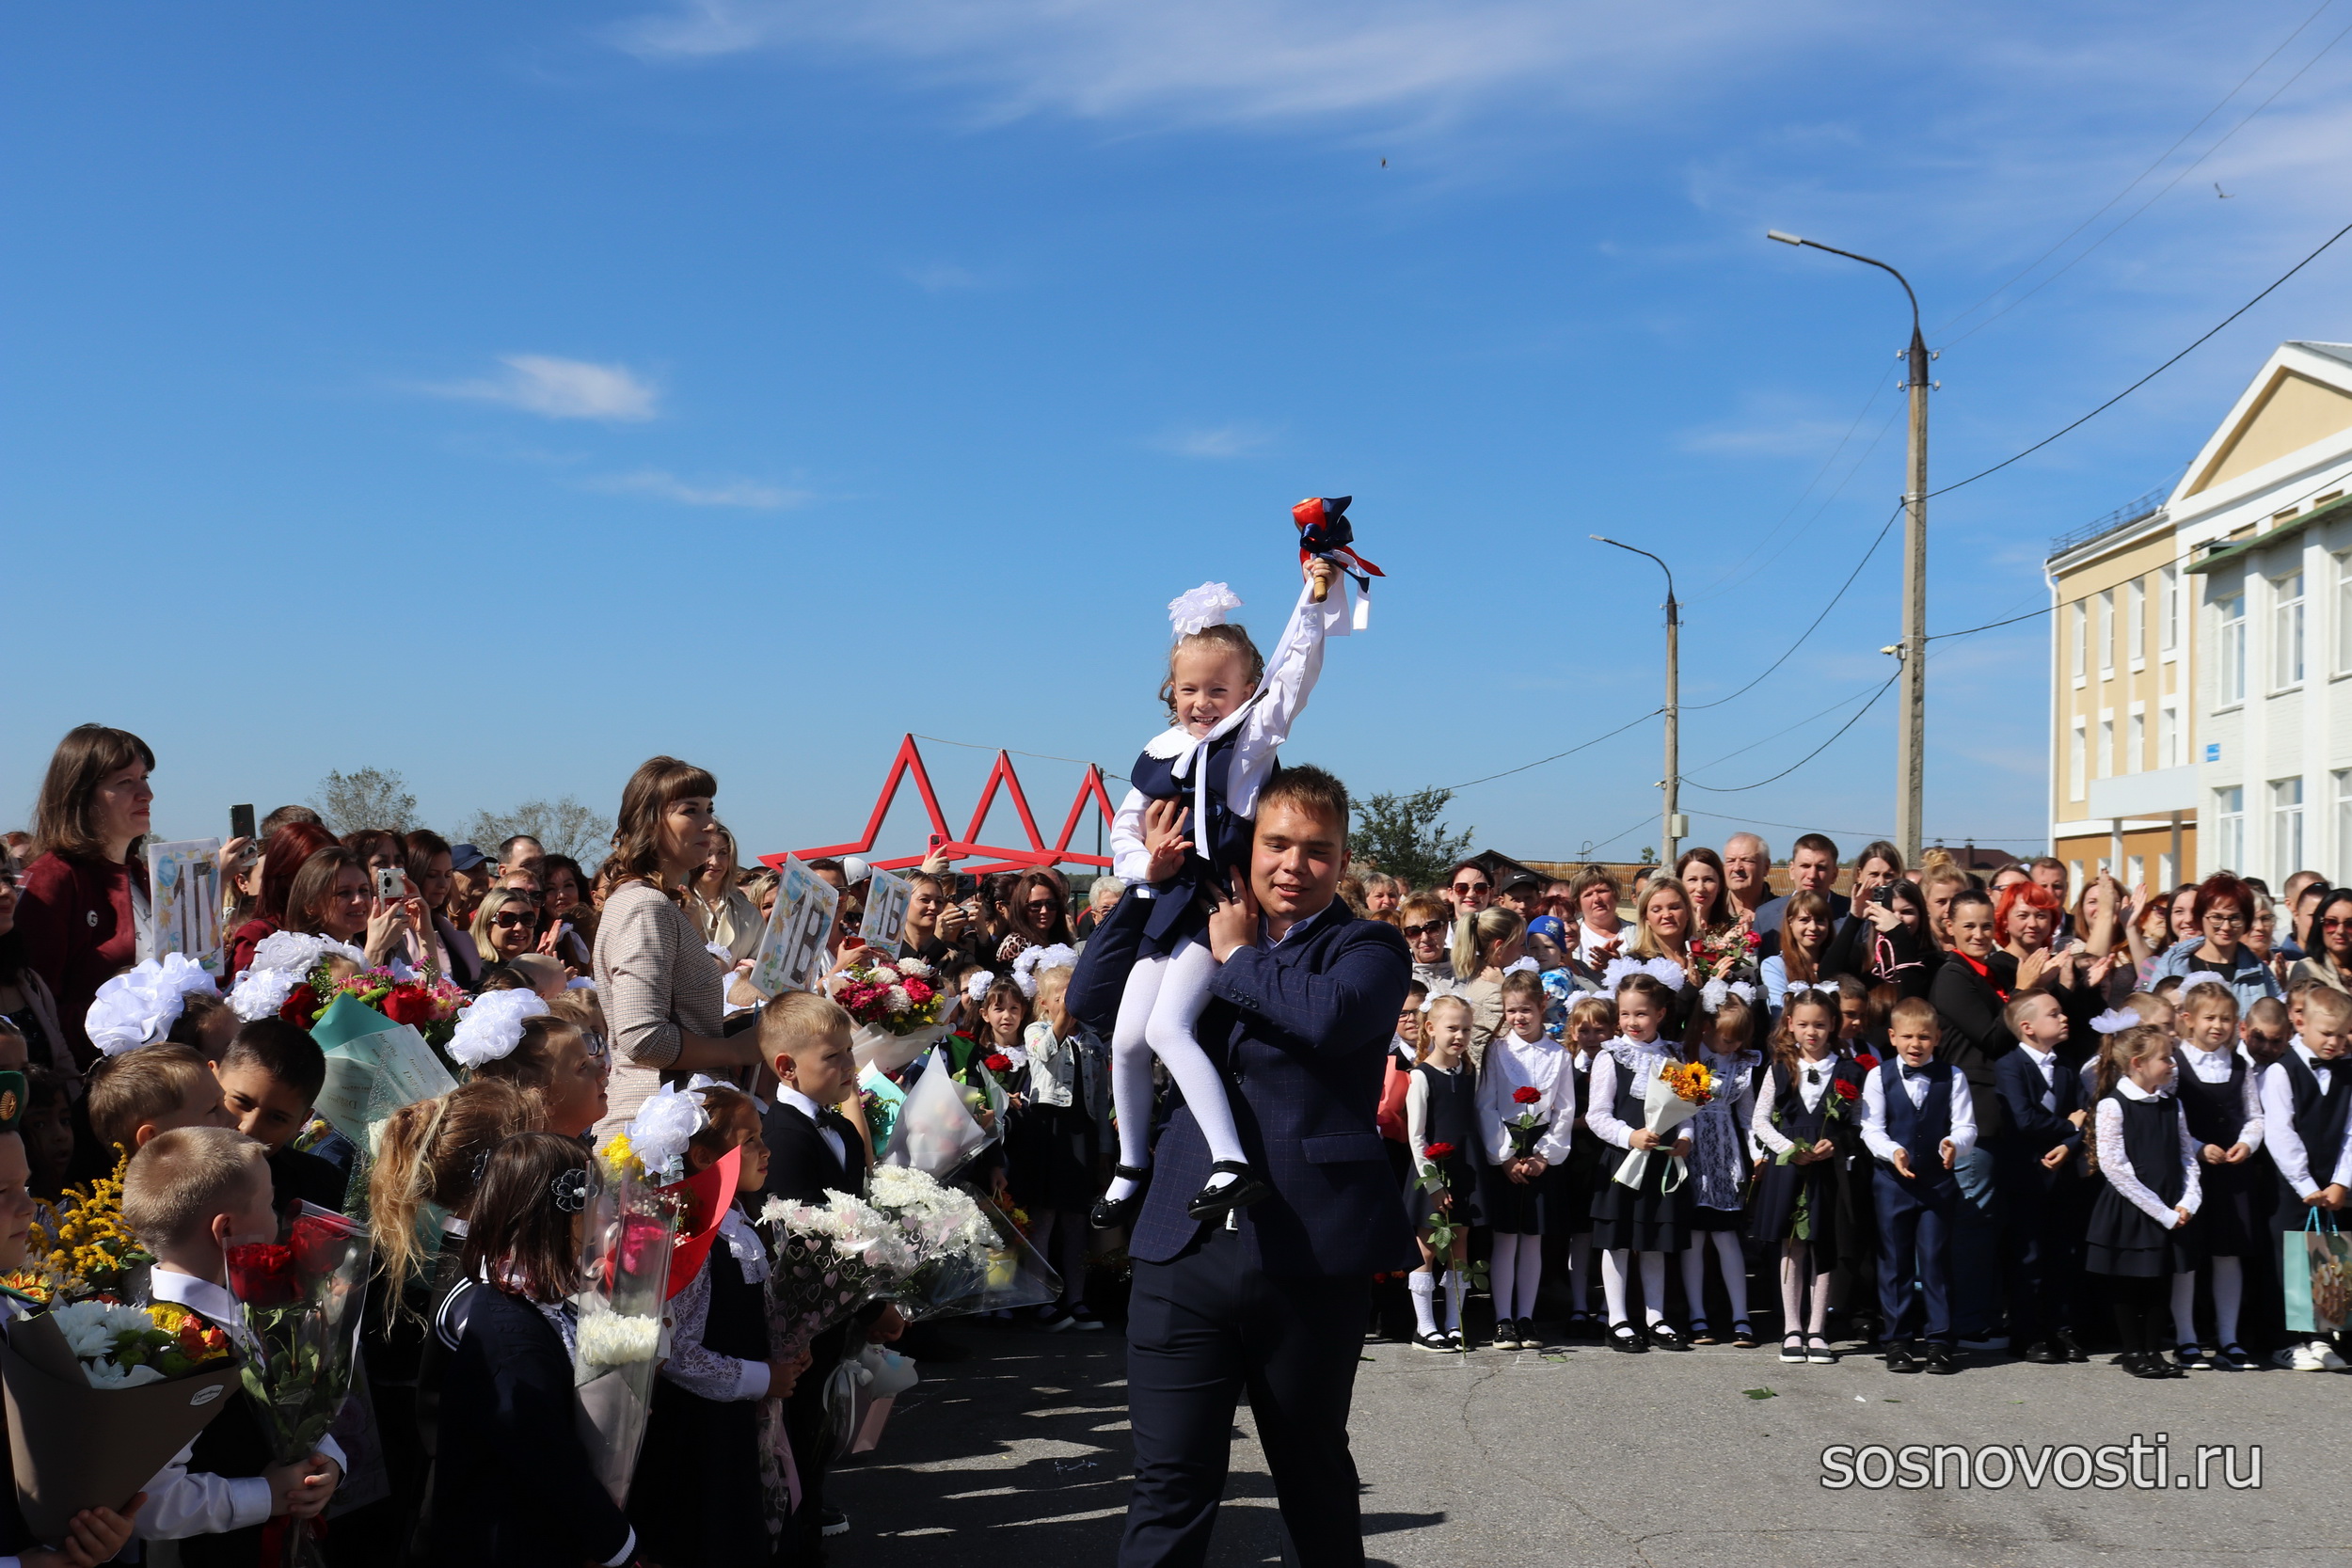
[1736,789]
[1701,707]
[1867,832]
[1798,725]
[1938,637]
[1556,755]
[1953,320]
[1734,574]
[1041,757]
[2151,375]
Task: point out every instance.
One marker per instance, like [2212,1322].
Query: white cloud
[744,493]
[562,390]
[1240,61]
[1222,441]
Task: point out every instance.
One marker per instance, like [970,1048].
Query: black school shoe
[1248,1187]
[1115,1213]
[2063,1340]
[1900,1358]
[1663,1334]
[1940,1359]
[2041,1353]
[1625,1336]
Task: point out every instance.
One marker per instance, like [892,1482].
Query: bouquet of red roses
[301,1296]
[899,997]
[1718,953]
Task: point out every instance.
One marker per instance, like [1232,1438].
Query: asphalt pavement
[1018,1457]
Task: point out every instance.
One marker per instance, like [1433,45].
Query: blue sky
[502,394]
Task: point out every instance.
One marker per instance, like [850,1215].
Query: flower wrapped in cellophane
[830,1259]
[1673,1098]
[969,1258]
[301,1297]
[626,1246]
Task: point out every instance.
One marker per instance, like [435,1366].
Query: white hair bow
[1033,961]
[664,1124]
[976,989]
[2116,1020]
[1795,987]
[139,1006]
[1664,971]
[492,1027]
[2203,978]
[1713,995]
[1197,609]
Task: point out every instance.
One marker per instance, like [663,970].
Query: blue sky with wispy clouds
[505,393]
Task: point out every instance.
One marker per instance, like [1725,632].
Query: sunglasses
[508,922]
[1472,887]
[2336,925]
[1427,928]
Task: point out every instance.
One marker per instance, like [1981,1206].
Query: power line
[1557,755]
[1938,637]
[1798,725]
[1735,572]
[1041,757]
[1736,789]
[2151,375]
[2144,174]
[1870,832]
[1699,708]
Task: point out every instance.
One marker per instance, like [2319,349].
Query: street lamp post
[1911,734]
[1676,826]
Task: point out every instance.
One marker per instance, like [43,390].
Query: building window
[2080,615]
[2286,631]
[2134,871]
[2169,734]
[2106,746]
[2074,762]
[2168,874]
[2168,609]
[2136,623]
[2343,826]
[2344,614]
[2107,631]
[2230,651]
[2286,827]
[2073,873]
[2135,741]
[2229,829]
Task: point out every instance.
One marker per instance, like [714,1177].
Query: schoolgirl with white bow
[1724,1155]
[1184,829]
[510,1035]
[1527,1117]
[2139,1234]
[1052,1144]
[1653,1219]
[2222,1106]
[697,1500]
[1803,1121]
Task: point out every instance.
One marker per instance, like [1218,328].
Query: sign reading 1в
[2213,751]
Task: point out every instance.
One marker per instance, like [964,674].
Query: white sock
[1612,1262]
[1455,1288]
[1424,1285]
[1531,1275]
[1654,1287]
[2185,1307]
[2229,1289]
[1503,1273]
[1184,992]
[1580,1272]
[1793,1276]
[1131,1072]
[1733,1263]
[1818,1328]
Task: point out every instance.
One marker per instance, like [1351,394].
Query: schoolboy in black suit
[2037,1172]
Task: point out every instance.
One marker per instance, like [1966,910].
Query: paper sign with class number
[791,952]
[886,900]
[184,900]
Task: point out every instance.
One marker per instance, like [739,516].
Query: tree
[1401,835]
[366,797]
[562,827]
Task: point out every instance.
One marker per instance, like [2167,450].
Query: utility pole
[1911,730]
[1675,826]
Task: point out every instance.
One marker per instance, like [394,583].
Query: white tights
[1514,1272]
[1729,1258]
[1156,1013]
[1612,1281]
[1796,1272]
[2229,1289]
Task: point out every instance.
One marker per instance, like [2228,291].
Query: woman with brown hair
[723,911]
[661,992]
[333,897]
[1035,916]
[441,943]
[283,855]
[82,904]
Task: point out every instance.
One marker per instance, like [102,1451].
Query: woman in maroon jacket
[82,904]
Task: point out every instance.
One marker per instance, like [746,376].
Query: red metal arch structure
[909,760]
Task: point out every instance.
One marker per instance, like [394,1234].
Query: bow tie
[1910,1071]
[1812,1075]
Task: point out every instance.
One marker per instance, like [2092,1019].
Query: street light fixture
[1911,734]
[1677,826]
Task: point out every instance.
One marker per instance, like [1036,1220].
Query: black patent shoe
[1115,1213]
[1213,1203]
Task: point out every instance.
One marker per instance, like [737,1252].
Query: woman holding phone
[335,896]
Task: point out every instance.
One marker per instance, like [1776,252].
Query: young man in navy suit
[2039,1177]
[1272,1300]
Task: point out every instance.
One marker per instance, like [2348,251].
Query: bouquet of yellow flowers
[1673,1098]
[89,1251]
[1691,1081]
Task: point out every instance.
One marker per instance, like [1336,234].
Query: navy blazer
[2033,1132]
[1300,1032]
[512,1485]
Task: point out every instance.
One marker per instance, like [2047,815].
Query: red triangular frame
[909,760]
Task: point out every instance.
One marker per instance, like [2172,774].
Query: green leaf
[1759,1393]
